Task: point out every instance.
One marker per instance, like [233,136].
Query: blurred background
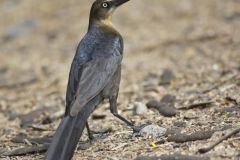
[182,48]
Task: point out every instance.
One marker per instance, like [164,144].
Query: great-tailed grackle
[94,76]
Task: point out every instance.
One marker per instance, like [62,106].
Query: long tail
[68,133]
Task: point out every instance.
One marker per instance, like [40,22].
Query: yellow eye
[104,5]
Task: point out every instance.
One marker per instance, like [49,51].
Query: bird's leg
[91,132]
[114,111]
[83,145]
[90,135]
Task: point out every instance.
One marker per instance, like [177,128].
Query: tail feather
[68,133]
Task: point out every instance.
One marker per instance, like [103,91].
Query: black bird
[94,76]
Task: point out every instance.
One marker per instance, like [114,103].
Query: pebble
[140,108]
[84,145]
[166,77]
[153,131]
[228,109]
[152,104]
[168,98]
[167,110]
[180,124]
[190,115]
[165,106]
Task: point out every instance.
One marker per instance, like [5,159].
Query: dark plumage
[94,76]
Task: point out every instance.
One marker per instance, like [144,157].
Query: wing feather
[95,76]
[93,67]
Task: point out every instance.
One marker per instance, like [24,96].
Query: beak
[119,2]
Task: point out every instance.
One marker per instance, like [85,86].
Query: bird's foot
[84,145]
[95,135]
[137,129]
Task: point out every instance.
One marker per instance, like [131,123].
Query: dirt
[198,42]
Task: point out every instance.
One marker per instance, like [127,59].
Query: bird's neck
[105,23]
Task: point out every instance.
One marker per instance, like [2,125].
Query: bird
[94,76]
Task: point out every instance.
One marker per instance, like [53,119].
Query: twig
[98,116]
[220,83]
[207,149]
[52,117]
[27,150]
[232,100]
[30,118]
[33,140]
[195,105]
[38,127]
[228,109]
[181,137]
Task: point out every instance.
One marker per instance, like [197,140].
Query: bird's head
[102,10]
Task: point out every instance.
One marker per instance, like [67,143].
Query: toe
[137,129]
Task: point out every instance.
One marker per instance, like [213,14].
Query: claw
[137,129]
[99,134]
[84,145]
[105,131]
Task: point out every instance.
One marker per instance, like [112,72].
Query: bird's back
[99,41]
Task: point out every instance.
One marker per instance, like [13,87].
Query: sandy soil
[199,41]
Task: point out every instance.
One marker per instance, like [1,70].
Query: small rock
[3,150]
[173,130]
[165,106]
[153,130]
[166,77]
[84,145]
[140,108]
[180,124]
[152,104]
[168,98]
[228,109]
[167,110]
[190,115]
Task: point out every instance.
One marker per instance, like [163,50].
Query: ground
[198,42]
